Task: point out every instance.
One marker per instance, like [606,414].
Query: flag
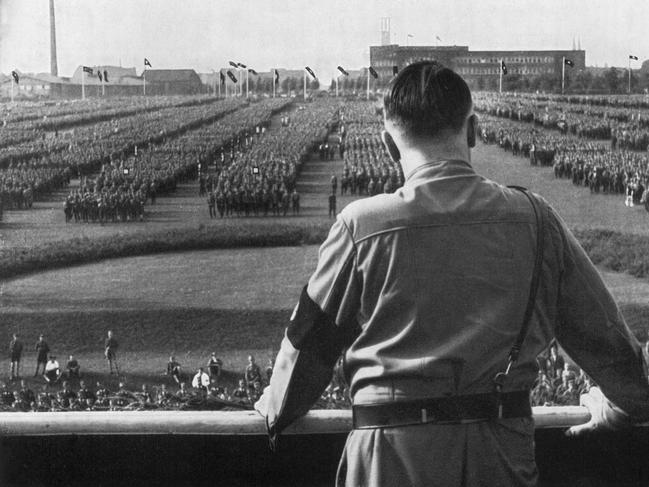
[310,71]
[233,64]
[105,76]
[568,62]
[276,76]
[16,77]
[147,63]
[88,70]
[342,70]
[631,56]
[437,37]
[101,78]
[252,71]
[373,72]
[503,67]
[241,65]
[222,76]
[395,70]
[231,76]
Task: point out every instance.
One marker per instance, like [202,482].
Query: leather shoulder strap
[536,275]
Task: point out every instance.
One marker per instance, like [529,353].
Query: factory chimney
[54,70]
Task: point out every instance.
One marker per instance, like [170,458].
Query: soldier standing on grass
[16,351]
[42,350]
[110,351]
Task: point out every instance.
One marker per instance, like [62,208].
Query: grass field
[232,301]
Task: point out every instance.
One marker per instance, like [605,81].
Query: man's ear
[390,146]
[471,129]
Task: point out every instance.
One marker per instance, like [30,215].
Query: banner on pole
[232,77]
[310,71]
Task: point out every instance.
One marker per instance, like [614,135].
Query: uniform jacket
[426,290]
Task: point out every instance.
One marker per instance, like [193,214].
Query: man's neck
[416,156]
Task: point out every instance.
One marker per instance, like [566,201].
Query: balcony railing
[214,422]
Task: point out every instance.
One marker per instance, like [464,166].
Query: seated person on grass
[73,368]
[52,371]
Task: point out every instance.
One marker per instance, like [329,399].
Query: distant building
[474,65]
[173,82]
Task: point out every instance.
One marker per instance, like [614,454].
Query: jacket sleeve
[593,331]
[322,324]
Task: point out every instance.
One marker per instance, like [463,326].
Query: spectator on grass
[173,369]
[73,368]
[67,397]
[85,395]
[183,393]
[110,352]
[52,371]
[269,369]
[15,352]
[163,396]
[26,394]
[214,365]
[6,396]
[253,373]
[201,380]
[215,389]
[42,350]
[240,394]
[102,395]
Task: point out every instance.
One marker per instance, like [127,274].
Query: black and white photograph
[355,243]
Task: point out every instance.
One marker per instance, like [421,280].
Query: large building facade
[475,66]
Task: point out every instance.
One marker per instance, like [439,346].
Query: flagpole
[103,88]
[337,86]
[247,88]
[12,91]
[629,75]
[368,83]
[563,73]
[83,86]
[304,85]
[144,81]
[500,83]
[273,76]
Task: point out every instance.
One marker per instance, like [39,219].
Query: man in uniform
[426,289]
[42,350]
[110,352]
[15,351]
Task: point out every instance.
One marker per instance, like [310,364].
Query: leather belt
[443,410]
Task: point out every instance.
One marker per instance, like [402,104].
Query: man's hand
[603,414]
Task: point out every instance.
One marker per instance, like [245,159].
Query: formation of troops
[567,134]
[367,169]
[257,173]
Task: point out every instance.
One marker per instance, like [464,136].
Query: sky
[206,34]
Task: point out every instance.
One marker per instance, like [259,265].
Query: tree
[612,78]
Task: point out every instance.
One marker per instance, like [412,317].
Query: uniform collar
[441,168]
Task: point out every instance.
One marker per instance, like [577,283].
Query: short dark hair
[426,98]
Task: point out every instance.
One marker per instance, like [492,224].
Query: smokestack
[54,70]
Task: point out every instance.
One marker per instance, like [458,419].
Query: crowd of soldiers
[126,184]
[367,168]
[257,174]
[604,168]
[45,164]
